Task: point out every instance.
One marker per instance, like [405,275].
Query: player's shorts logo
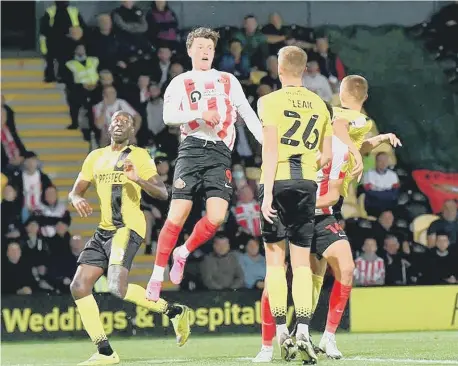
[195,96]
[179,184]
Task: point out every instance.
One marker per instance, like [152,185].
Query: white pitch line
[403,360]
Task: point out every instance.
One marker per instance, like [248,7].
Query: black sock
[173,311]
[104,348]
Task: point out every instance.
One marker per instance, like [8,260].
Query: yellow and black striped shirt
[119,197]
[303,120]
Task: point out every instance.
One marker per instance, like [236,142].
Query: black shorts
[327,231]
[295,202]
[107,247]
[202,167]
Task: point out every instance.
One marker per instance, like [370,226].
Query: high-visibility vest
[84,74]
[72,13]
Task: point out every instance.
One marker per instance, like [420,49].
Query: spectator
[51,212]
[441,263]
[236,62]
[247,212]
[81,83]
[221,269]
[16,273]
[130,28]
[448,224]
[253,41]
[154,110]
[369,268]
[383,227]
[316,82]
[272,78]
[381,186]
[329,63]
[11,215]
[396,267]
[60,27]
[13,150]
[160,72]
[104,45]
[175,69]
[276,33]
[30,184]
[162,24]
[62,271]
[106,108]
[138,97]
[253,265]
[35,248]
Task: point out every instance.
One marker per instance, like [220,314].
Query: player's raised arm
[245,110]
[371,143]
[82,183]
[143,172]
[173,114]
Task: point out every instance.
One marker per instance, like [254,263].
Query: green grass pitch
[425,348]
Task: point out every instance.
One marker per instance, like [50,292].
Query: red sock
[167,240]
[337,302]
[268,322]
[203,231]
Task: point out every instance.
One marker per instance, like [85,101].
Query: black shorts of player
[202,167]
[295,202]
[327,231]
[108,247]
[337,209]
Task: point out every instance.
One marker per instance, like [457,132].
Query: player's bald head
[127,117]
[292,61]
[354,87]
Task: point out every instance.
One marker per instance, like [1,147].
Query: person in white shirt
[104,110]
[316,82]
[381,186]
[204,102]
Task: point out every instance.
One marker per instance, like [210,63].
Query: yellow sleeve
[267,112]
[146,168]
[87,171]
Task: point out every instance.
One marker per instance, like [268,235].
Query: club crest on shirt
[179,184]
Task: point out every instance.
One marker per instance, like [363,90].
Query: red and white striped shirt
[194,92]
[334,170]
[369,272]
[248,216]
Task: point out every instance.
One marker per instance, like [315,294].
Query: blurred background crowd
[126,62]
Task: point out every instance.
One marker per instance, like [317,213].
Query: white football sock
[183,251]
[282,328]
[158,273]
[303,329]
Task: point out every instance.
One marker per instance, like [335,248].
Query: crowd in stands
[440,34]
[126,62]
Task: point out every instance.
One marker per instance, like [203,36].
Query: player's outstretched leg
[178,213]
[268,331]
[340,259]
[204,230]
[81,288]
[302,297]
[178,314]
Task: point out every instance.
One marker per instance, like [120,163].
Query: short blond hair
[356,87]
[293,60]
[202,32]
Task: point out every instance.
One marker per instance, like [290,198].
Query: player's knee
[217,218]
[79,289]
[117,288]
[346,271]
